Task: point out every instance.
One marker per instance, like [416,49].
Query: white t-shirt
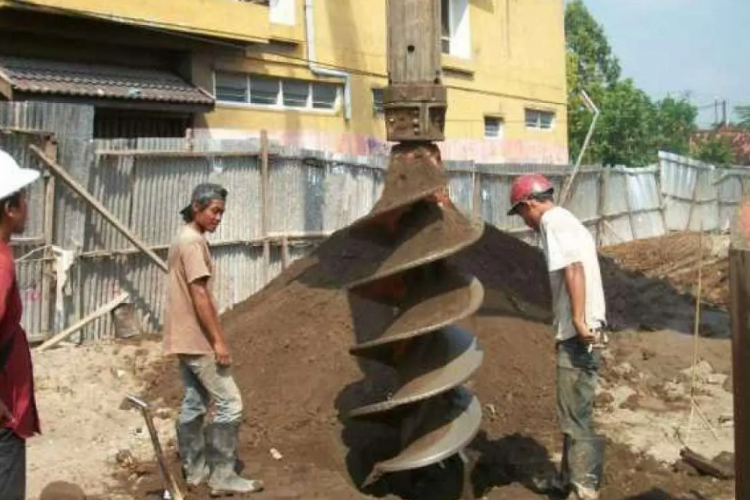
[566,241]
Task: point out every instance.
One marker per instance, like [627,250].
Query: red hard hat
[526,187]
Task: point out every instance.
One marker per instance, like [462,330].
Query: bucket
[126,323]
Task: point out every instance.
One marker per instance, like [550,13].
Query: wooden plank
[704,465]
[177,154]
[97,205]
[50,149]
[103,310]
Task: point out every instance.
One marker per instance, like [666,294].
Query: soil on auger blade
[290,347]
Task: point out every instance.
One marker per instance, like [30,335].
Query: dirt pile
[675,258]
[290,344]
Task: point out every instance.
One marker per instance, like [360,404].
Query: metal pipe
[317,70]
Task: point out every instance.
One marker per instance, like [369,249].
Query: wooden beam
[739,287]
[265,205]
[105,309]
[50,149]
[97,205]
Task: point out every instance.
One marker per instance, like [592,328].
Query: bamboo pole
[97,205]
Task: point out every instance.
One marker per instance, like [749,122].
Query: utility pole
[417,227]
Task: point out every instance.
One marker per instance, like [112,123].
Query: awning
[22,78]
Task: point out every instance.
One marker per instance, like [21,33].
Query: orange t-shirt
[189,260]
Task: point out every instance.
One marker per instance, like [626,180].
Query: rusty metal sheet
[451,422]
[432,364]
[355,256]
[430,306]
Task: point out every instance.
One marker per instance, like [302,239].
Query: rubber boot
[222,442]
[191,446]
[587,467]
[558,484]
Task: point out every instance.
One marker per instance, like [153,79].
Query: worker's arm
[575,283]
[209,319]
[196,263]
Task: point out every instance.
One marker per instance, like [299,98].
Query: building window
[378,103]
[455,30]
[540,120]
[281,93]
[282,12]
[494,127]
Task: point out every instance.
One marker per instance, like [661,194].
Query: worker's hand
[5,415]
[222,354]
[585,335]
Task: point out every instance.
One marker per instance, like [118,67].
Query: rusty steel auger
[397,257]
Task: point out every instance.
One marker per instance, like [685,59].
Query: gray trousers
[12,466]
[205,381]
[577,376]
[583,450]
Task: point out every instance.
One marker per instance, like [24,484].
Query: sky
[674,47]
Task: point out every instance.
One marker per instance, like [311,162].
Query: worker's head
[206,207]
[13,204]
[530,197]
[61,490]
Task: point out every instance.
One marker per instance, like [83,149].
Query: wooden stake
[105,309]
[264,218]
[96,205]
[50,149]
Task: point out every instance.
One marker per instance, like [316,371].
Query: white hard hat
[13,178]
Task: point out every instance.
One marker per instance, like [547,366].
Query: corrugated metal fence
[283,201]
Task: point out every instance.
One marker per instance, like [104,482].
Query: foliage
[631,127]
[743,112]
[715,149]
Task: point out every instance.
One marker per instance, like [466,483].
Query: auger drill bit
[397,256]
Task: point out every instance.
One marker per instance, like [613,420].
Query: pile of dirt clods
[290,345]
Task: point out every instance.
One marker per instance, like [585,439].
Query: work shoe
[222,446]
[581,492]
[191,446]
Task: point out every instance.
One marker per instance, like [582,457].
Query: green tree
[625,130]
[590,66]
[674,125]
[716,150]
[743,112]
[631,127]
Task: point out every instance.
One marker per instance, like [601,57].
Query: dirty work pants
[12,466]
[577,376]
[583,452]
[204,381]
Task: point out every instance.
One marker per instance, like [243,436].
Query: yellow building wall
[215,18]
[517,62]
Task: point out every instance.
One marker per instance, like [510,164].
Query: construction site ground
[290,344]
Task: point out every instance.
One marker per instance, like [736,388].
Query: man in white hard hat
[579,309]
[19,419]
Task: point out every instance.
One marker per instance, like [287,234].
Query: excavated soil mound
[676,259]
[290,345]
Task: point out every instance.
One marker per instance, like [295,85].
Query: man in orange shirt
[193,332]
[18,414]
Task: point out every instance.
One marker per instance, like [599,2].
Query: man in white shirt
[579,310]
